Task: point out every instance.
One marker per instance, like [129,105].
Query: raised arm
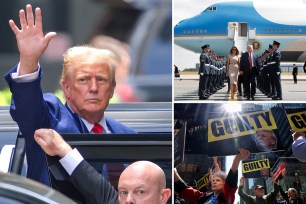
[30,39]
[243,154]
[247,198]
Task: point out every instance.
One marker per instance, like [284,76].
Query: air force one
[240,23]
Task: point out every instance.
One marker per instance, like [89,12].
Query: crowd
[222,187]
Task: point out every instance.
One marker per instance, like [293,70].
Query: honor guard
[276,71]
[204,72]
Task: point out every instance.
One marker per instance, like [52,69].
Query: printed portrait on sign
[265,140]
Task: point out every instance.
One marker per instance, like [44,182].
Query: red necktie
[97,128]
[250,58]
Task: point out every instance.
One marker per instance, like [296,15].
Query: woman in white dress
[232,69]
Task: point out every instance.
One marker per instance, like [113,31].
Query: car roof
[19,186]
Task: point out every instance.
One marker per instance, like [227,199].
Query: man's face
[139,187]
[259,192]
[250,49]
[88,88]
[291,194]
[266,139]
[218,183]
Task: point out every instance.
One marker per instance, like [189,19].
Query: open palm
[30,38]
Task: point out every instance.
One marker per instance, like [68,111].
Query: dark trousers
[203,85]
[272,84]
[249,85]
[239,84]
[277,83]
[294,78]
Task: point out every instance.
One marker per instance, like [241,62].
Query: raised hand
[243,154]
[51,142]
[30,38]
[241,183]
[296,135]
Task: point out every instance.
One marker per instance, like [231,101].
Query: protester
[88,82]
[259,191]
[291,197]
[299,145]
[140,182]
[280,199]
[223,186]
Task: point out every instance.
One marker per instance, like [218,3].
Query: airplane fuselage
[223,25]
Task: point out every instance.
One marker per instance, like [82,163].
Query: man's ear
[166,193]
[66,89]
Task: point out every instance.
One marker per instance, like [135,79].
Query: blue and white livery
[240,23]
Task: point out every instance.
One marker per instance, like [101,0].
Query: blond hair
[82,55]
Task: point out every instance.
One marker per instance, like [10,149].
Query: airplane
[239,23]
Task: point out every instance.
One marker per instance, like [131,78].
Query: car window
[6,200]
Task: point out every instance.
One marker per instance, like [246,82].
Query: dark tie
[97,128]
[250,58]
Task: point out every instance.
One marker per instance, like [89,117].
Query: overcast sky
[185,9]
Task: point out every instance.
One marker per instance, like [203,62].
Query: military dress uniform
[276,72]
[204,72]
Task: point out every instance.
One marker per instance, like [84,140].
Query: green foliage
[59,94]
[5,97]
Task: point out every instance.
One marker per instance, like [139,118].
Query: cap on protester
[205,46]
[276,43]
[258,187]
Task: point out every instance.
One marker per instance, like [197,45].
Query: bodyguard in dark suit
[140,182]
[276,71]
[249,68]
[88,83]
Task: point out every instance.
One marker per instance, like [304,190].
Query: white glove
[202,74]
[278,73]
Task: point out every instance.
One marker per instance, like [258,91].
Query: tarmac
[187,90]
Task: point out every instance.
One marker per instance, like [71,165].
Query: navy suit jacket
[32,110]
[245,64]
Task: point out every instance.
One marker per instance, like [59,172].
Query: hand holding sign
[243,154]
[296,135]
[241,181]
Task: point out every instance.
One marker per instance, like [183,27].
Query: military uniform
[204,72]
[276,72]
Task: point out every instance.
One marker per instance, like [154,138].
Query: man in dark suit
[88,82]
[249,68]
[140,182]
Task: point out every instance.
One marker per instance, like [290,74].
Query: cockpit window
[211,8]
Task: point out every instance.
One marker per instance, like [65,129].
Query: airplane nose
[180,28]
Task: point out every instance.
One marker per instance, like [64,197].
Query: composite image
[153,102]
